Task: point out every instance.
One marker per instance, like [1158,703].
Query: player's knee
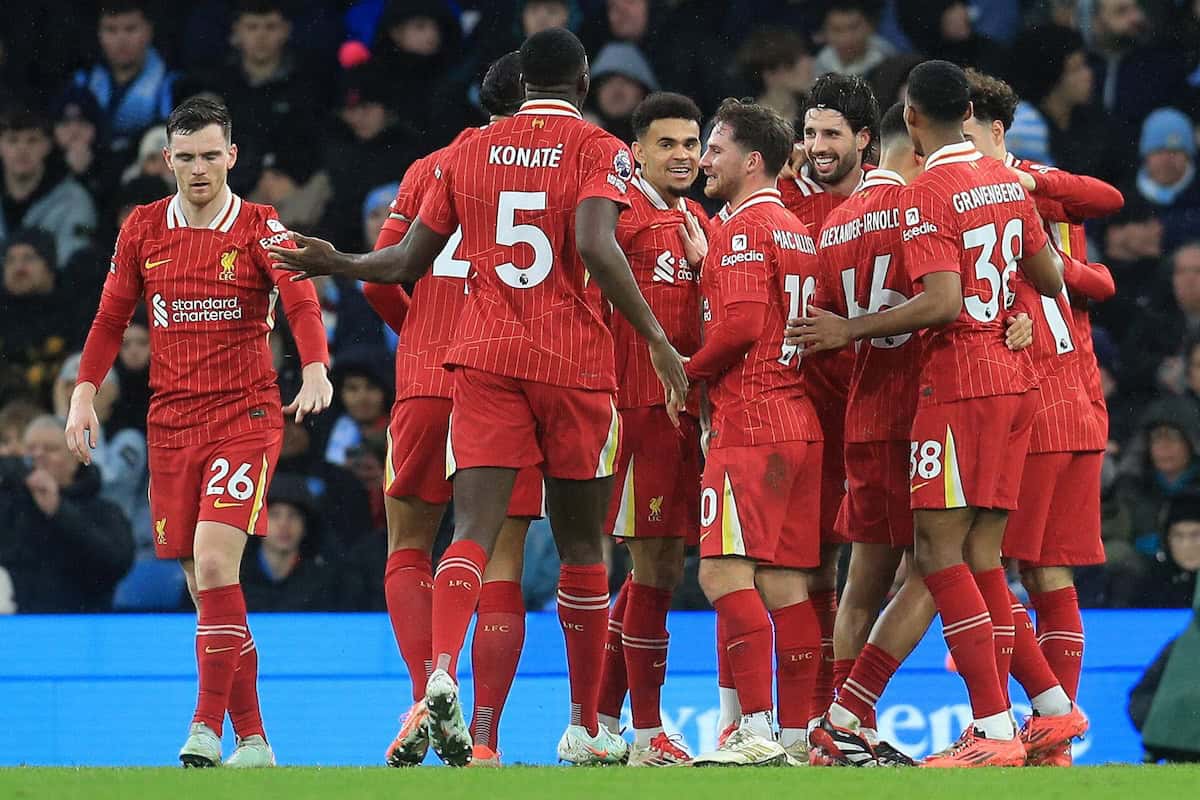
[214,569]
[577,551]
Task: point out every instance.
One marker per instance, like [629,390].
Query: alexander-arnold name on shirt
[869,222]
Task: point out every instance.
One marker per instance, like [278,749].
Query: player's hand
[820,330]
[1026,180]
[83,426]
[669,366]
[315,395]
[1020,331]
[310,256]
[44,488]
[695,243]
[797,159]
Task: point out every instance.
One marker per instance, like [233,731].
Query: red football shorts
[224,481]
[658,477]
[763,502]
[499,421]
[876,508]
[970,453]
[1057,521]
[416,458]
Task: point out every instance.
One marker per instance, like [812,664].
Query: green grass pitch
[529,783]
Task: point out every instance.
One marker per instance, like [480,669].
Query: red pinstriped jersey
[210,296]
[649,235]
[438,296]
[861,254]
[762,254]
[969,214]
[514,189]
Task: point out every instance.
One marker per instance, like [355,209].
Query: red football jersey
[761,254]
[438,296]
[860,250]
[969,214]
[514,189]
[210,293]
[649,234]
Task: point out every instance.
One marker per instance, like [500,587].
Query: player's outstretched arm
[400,263]
[1044,270]
[595,228]
[1089,280]
[939,304]
[1082,197]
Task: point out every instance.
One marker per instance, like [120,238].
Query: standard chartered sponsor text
[208,309]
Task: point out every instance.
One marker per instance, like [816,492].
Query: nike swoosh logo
[152,264]
[223,504]
[704,536]
[595,752]
[658,664]
[218,649]
[918,486]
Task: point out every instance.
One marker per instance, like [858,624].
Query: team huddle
[894,357]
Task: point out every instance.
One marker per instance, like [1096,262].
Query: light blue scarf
[1164,195]
[147,100]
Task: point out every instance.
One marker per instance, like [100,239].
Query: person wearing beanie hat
[621,78]
[376,208]
[1171,580]
[1168,150]
[80,135]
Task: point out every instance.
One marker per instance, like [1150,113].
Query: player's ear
[233,153]
[166,153]
[997,131]
[862,140]
[584,84]
[638,154]
[970,111]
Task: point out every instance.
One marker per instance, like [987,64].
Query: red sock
[1029,665]
[495,651]
[724,668]
[613,683]
[872,670]
[645,641]
[797,660]
[583,614]
[748,643]
[825,605]
[967,629]
[1060,634]
[244,711]
[408,587]
[841,670]
[221,633]
[456,588]
[993,585]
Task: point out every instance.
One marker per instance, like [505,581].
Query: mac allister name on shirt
[790,240]
[869,222]
[991,194]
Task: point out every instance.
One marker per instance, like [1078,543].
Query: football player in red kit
[537,197]
[654,509]
[761,481]
[199,259]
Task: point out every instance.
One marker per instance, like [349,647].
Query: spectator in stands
[133,375]
[369,145]
[38,191]
[131,82]
[285,571]
[889,80]
[852,46]
[1160,329]
[501,30]
[943,29]
[779,68]
[150,160]
[42,321]
[1051,73]
[1171,580]
[366,460]
[376,209]
[1166,181]
[15,416]
[1131,77]
[621,78]
[363,389]
[63,546]
[1133,250]
[292,182]
[80,138]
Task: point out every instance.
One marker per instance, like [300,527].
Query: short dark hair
[849,95]
[940,90]
[553,57]
[22,118]
[892,126]
[501,92]
[260,8]
[197,113]
[110,8]
[758,128]
[664,105]
[993,100]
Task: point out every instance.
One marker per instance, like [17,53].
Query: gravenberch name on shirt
[507,155]
[991,194]
[869,222]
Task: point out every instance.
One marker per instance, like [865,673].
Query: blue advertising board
[119,690]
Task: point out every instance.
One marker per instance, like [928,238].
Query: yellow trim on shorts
[608,455]
[625,525]
[952,479]
[389,472]
[259,493]
[732,542]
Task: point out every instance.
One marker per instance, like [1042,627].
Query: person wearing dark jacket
[1171,579]
[64,547]
[284,571]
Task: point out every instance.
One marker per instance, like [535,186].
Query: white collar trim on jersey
[1010,160]
[652,194]
[761,196]
[549,108]
[223,221]
[807,186]
[881,177]
[957,153]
